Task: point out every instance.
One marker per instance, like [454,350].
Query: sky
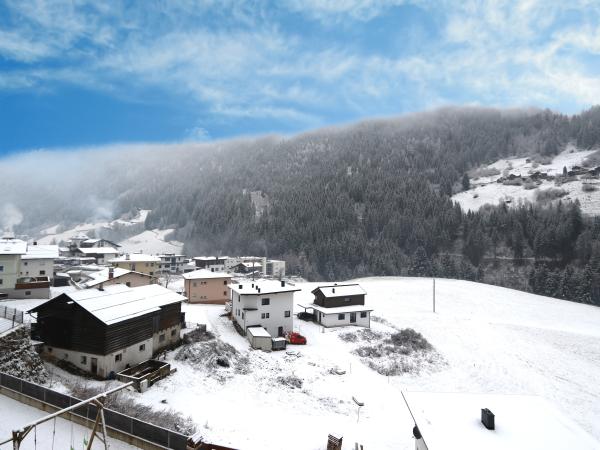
[78,74]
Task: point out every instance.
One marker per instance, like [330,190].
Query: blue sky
[78,74]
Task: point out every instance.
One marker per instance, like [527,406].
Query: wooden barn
[105,331]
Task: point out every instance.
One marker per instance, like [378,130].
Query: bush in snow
[405,351]
[215,357]
[122,402]
[197,335]
[291,380]
[548,195]
[18,358]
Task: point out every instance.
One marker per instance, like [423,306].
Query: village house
[104,331]
[213,263]
[172,263]
[12,283]
[39,261]
[205,286]
[101,255]
[268,304]
[341,304]
[138,262]
[98,243]
[11,251]
[115,275]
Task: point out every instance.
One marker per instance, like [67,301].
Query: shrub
[547,195]
[589,187]
[411,339]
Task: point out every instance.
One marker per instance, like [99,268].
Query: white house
[268,304]
[445,421]
[341,304]
[11,251]
[172,263]
[39,261]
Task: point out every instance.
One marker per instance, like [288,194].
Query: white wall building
[269,304]
[39,261]
[11,251]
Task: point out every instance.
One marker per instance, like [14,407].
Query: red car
[296,338]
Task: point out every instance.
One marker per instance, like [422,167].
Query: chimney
[101,287]
[333,290]
[488,419]
[282,283]
[127,257]
[111,273]
[253,285]
[240,286]
[34,242]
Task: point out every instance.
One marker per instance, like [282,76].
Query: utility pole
[434,294]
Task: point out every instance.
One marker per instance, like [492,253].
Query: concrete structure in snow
[205,286]
[138,262]
[522,422]
[268,304]
[341,304]
[104,331]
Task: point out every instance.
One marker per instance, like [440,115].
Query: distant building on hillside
[341,304]
[212,263]
[105,331]
[98,243]
[138,262]
[492,421]
[101,255]
[205,286]
[268,304]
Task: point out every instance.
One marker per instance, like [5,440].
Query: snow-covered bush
[290,380]
[215,357]
[18,358]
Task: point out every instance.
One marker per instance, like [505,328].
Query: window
[341,316]
[128,283]
[287,314]
[27,292]
[266,301]
[118,357]
[264,315]
[147,265]
[25,263]
[151,273]
[224,292]
[1,281]
[83,359]
[363,314]
[42,272]
[173,332]
[142,347]
[194,284]
[243,315]
[225,282]
[161,338]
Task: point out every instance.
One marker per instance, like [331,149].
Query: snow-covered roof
[136,257]
[258,332]
[117,303]
[340,309]
[340,290]
[204,273]
[98,250]
[101,276]
[12,247]
[453,421]
[266,287]
[41,252]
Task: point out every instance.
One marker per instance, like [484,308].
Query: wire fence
[126,424]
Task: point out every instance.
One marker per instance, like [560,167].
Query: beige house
[205,286]
[138,262]
[116,275]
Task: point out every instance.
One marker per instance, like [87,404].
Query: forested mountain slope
[367,199]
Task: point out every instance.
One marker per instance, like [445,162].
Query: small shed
[519,422]
[259,338]
[279,343]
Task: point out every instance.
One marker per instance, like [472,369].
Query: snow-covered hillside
[53,235]
[151,242]
[490,339]
[486,189]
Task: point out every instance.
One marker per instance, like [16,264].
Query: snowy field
[492,340]
[66,434]
[489,340]
[485,190]
[152,242]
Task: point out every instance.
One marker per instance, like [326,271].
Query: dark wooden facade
[333,301]
[62,323]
